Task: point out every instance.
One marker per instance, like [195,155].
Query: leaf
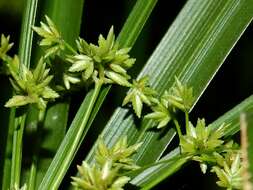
[133,26]
[193,49]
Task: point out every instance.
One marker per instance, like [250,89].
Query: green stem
[33,170]
[17,150]
[59,166]
[187,123]
[179,132]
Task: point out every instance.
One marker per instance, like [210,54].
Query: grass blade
[193,49]
[133,26]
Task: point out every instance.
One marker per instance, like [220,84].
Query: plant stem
[187,122]
[178,128]
[35,158]
[17,150]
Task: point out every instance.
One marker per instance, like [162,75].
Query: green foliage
[106,173]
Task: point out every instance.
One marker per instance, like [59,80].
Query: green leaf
[193,49]
[135,22]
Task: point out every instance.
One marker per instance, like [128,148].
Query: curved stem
[179,132]
[187,123]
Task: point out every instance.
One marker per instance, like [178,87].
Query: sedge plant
[126,153]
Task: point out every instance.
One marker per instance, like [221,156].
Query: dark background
[230,86]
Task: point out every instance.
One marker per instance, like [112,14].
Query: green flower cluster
[179,97]
[201,138]
[105,174]
[87,62]
[31,87]
[140,93]
[51,37]
[229,171]
[62,66]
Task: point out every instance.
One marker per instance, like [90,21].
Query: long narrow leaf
[193,49]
